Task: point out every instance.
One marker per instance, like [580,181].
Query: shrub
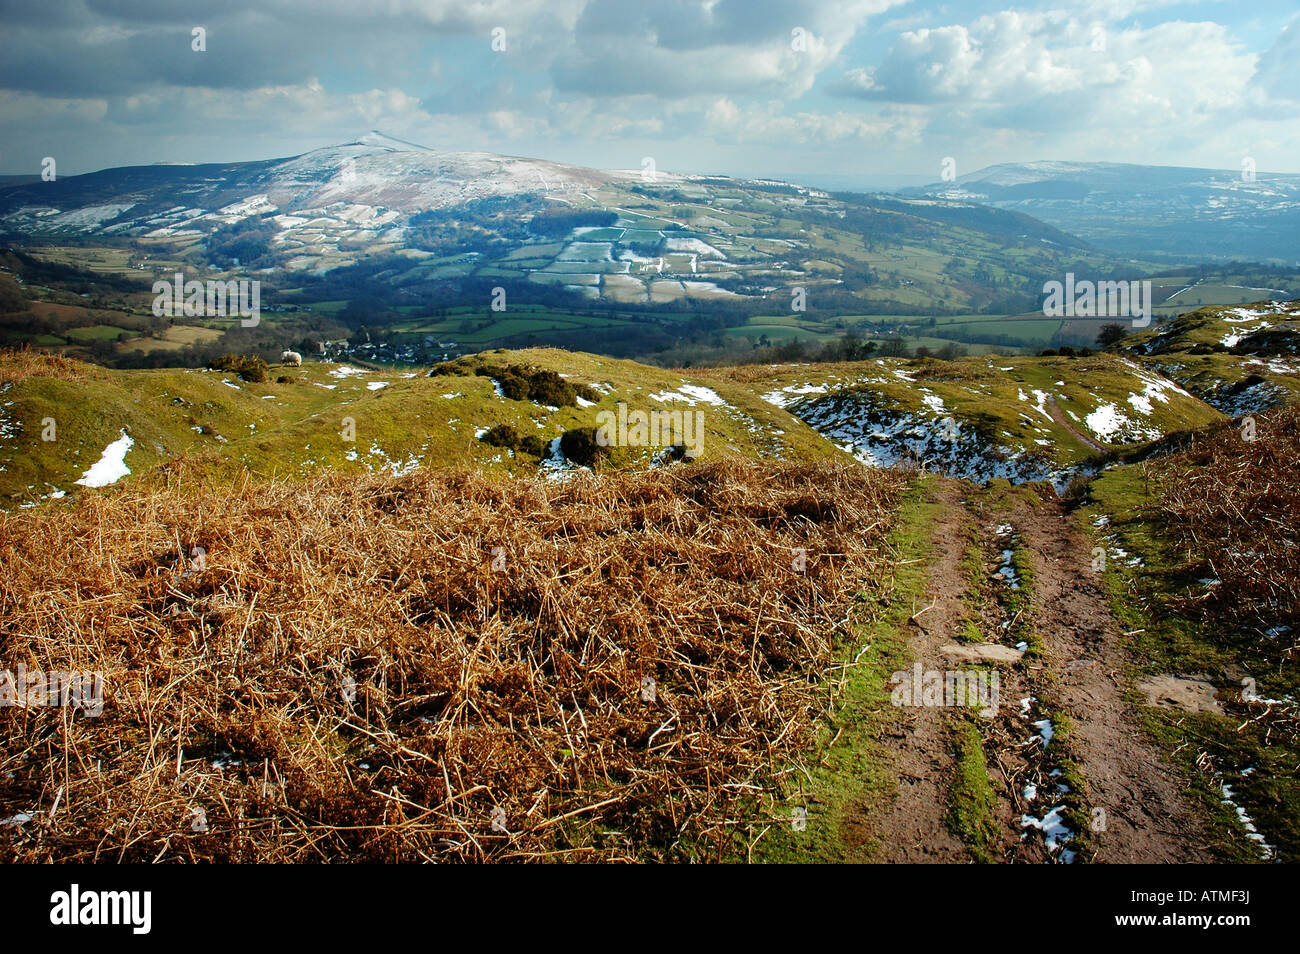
[505,435]
[446,367]
[249,367]
[520,383]
[532,444]
[580,446]
[1112,333]
[501,435]
[254,370]
[547,387]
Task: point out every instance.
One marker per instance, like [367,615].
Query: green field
[98,333]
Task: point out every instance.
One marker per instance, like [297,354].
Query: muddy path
[1129,797]
[1134,794]
[1060,417]
[911,829]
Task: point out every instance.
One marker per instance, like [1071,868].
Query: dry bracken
[433,667]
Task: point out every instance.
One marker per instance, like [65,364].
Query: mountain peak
[381,140]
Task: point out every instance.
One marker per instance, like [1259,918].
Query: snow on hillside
[369,183]
[111,466]
[888,438]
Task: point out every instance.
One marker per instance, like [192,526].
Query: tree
[1112,333]
[894,347]
[12,297]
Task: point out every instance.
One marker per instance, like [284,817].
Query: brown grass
[1235,506]
[18,364]
[477,691]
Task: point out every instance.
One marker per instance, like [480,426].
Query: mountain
[420,217]
[1146,211]
[347,190]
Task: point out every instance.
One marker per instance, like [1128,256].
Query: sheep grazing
[291,357]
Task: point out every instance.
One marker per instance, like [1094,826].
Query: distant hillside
[1146,211]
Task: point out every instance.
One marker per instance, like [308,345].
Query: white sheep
[291,357]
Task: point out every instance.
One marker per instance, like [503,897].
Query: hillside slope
[400,420]
[1201,214]
[1020,418]
[410,218]
[979,418]
[1241,360]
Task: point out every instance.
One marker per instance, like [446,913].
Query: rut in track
[911,829]
[1148,819]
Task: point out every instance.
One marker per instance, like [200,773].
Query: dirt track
[1144,817]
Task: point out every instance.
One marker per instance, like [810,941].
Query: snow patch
[111,466]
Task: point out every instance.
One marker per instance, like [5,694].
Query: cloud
[726,121]
[807,83]
[1047,67]
[680,48]
[106,46]
[1278,75]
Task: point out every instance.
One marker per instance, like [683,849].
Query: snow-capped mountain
[358,186]
[426,219]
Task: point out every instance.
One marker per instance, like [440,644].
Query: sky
[822,92]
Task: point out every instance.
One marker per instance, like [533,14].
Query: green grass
[994,398]
[972,806]
[98,333]
[1031,332]
[970,632]
[1022,562]
[294,429]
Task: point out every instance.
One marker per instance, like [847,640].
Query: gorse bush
[505,435]
[521,383]
[580,446]
[249,367]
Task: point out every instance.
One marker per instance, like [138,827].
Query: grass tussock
[434,667]
[19,364]
[972,806]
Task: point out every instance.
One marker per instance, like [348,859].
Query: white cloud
[1278,76]
[725,121]
[607,81]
